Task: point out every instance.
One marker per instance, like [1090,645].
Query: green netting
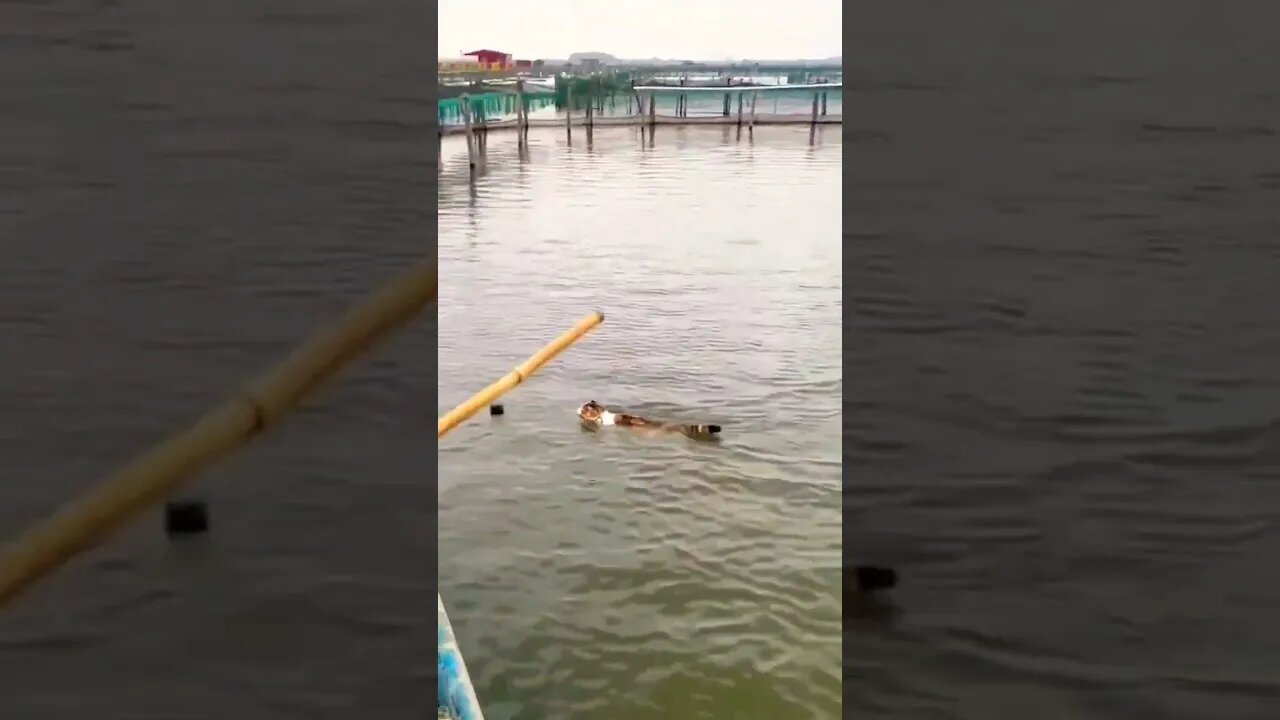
[489,106]
[604,85]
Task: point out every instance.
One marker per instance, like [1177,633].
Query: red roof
[485,52]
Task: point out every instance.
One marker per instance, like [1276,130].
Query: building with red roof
[492,59]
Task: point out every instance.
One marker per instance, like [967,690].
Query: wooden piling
[464,104]
[639,104]
[568,110]
[727,82]
[813,123]
[653,109]
[522,117]
[740,110]
[824,103]
[754,96]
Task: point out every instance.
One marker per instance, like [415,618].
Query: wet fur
[590,413]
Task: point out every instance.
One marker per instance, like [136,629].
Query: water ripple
[608,574]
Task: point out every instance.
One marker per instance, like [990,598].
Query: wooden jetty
[584,121]
[642,102]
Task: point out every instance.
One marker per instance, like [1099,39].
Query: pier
[654,95]
[604,101]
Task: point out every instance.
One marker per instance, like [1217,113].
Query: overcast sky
[686,30]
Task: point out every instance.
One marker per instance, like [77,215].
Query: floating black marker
[871,578]
[186,517]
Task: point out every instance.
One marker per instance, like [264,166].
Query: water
[1063,373]
[612,575]
[185,192]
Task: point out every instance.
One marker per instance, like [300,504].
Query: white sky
[685,30]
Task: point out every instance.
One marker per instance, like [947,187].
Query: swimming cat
[593,413]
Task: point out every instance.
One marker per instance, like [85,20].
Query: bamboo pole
[86,522]
[456,416]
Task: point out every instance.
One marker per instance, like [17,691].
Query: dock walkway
[638,121]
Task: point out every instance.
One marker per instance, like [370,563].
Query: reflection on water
[615,575]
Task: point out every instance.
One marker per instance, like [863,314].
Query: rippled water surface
[1064,360]
[186,192]
[610,575]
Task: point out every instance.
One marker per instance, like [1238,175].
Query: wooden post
[740,110]
[639,105]
[813,124]
[465,103]
[590,114]
[568,109]
[824,103]
[522,120]
[727,83]
[653,109]
[754,96]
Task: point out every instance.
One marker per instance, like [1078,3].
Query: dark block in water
[496,410]
[186,517]
[870,578]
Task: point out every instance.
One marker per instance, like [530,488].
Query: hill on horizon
[607,59]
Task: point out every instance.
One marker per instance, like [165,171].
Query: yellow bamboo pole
[152,475]
[456,416]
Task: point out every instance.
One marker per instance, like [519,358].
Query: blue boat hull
[455,696]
